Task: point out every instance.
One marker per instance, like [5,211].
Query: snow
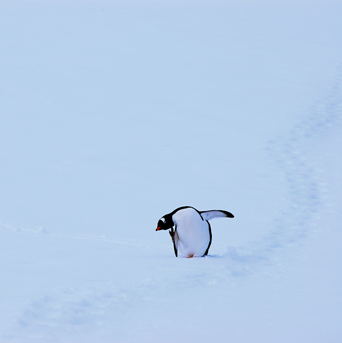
[116,113]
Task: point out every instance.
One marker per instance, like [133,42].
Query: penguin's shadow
[214,256]
[230,253]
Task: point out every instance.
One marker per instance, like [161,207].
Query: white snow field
[115,113]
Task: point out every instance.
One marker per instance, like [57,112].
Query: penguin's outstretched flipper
[207,215]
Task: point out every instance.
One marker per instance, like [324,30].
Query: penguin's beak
[158,228]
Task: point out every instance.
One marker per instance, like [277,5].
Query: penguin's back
[192,233]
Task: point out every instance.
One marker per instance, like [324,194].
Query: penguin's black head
[165,223]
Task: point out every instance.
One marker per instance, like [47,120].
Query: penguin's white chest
[192,233]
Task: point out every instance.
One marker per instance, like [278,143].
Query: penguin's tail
[207,215]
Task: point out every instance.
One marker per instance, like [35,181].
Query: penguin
[190,230]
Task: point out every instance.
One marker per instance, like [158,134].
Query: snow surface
[113,114]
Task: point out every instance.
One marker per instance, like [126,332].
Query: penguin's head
[165,223]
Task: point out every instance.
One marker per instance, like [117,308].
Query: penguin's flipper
[207,215]
[174,236]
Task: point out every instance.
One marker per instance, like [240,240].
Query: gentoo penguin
[190,230]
